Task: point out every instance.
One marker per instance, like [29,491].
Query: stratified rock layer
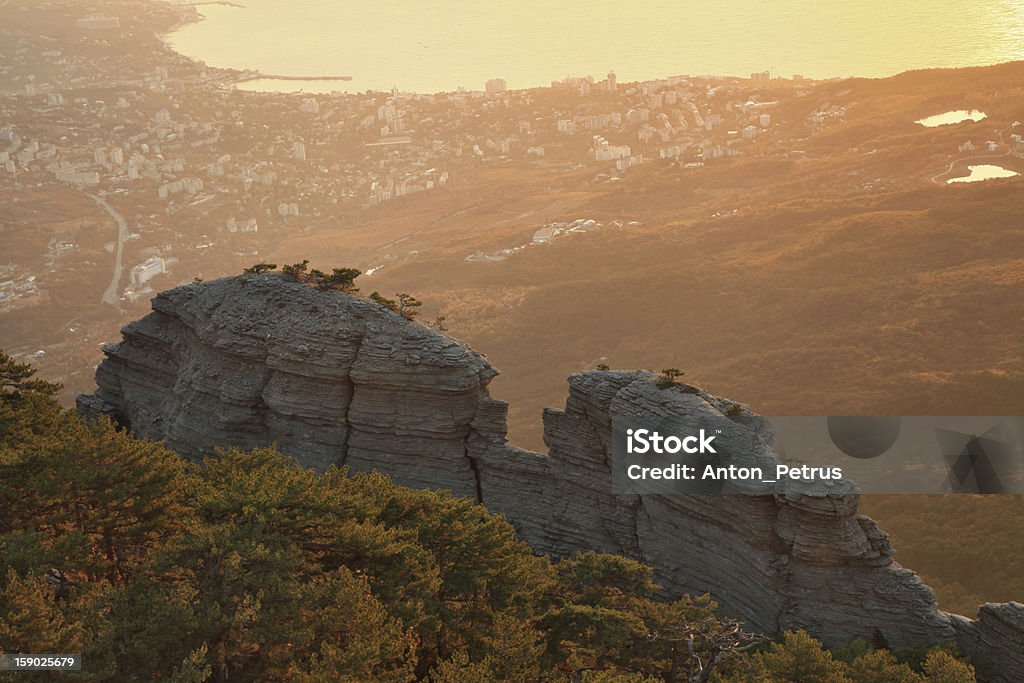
[335,379]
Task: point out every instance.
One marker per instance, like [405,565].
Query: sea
[429,46]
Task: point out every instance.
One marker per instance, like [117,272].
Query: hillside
[850,279]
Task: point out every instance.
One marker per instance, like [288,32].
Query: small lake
[983,172]
[950,117]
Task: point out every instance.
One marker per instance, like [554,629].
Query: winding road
[110,295]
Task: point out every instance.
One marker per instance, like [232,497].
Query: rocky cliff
[336,379]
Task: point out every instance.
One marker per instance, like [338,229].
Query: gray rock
[338,380]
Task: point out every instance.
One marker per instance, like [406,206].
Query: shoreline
[259,75]
[240,75]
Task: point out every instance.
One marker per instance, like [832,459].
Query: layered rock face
[329,378]
[334,379]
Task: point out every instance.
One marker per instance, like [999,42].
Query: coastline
[194,16]
[277,77]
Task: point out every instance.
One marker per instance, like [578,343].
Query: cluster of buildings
[586,85]
[16,285]
[182,154]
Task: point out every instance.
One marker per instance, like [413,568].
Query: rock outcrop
[336,379]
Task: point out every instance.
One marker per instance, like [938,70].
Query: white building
[629,162]
[495,86]
[545,234]
[147,270]
[604,151]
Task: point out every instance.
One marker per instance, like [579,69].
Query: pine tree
[408,305]
[28,407]
[942,667]
[118,496]
[296,271]
[880,666]
[260,268]
[459,669]
[389,304]
[32,620]
[799,658]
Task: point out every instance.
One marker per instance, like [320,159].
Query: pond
[983,172]
[950,117]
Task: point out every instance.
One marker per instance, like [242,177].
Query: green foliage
[389,304]
[735,410]
[342,279]
[296,271]
[249,567]
[799,658]
[880,666]
[260,268]
[619,676]
[32,620]
[99,498]
[603,619]
[27,405]
[16,379]
[193,669]
[942,667]
[459,669]
[408,305]
[603,367]
[667,378]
